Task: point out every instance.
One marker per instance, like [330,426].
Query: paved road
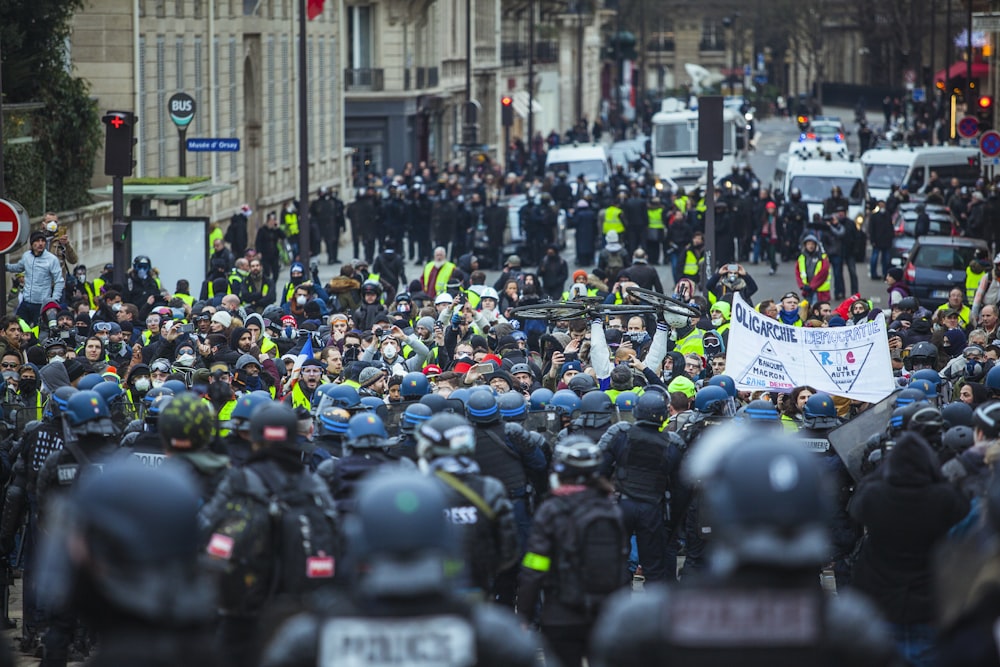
[774,137]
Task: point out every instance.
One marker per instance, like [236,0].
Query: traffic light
[507,110]
[984,112]
[119,142]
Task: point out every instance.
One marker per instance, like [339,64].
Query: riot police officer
[769,509]
[147,447]
[272,500]
[121,550]
[577,551]
[596,411]
[186,428]
[644,463]
[478,506]
[404,603]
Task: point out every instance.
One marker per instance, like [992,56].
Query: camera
[65,335]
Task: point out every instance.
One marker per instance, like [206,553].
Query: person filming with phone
[732,278]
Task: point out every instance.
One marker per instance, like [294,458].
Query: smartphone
[187,328]
[733,268]
[483,369]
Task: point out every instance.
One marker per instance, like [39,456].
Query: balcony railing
[364,79]
[712,45]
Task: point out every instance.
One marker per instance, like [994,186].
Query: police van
[885,167]
[816,177]
[589,160]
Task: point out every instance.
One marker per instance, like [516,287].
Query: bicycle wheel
[555,311]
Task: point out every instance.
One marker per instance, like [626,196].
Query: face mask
[300,300]
[673,334]
[143,273]
[142,384]
[717,322]
[116,307]
[389,351]
[290,332]
[80,277]
[157,383]
[53,324]
[185,359]
[697,245]
[253,383]
[57,359]
[10,376]
[27,385]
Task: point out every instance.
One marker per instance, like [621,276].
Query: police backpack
[592,552]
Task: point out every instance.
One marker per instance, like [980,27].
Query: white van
[815,178]
[885,167]
[591,160]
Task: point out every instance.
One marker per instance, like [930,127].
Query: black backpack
[304,540]
[592,552]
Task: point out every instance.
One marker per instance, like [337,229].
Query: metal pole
[579,64]
[3,188]
[119,228]
[467,130]
[531,88]
[303,212]
[709,221]
[183,170]
[970,97]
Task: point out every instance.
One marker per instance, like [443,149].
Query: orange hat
[579,273]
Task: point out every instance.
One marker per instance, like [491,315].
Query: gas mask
[143,273]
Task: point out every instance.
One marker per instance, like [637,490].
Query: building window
[712,35]
[359,37]
[197,9]
[180,9]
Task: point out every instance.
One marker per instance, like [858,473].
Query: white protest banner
[764,354]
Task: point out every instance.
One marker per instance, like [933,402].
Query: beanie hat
[223,318]
[370,376]
[683,385]
[579,273]
[621,377]
[895,273]
[722,307]
[426,322]
[74,369]
[570,366]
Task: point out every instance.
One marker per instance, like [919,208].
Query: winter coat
[907,506]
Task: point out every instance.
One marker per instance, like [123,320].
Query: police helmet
[957,439]
[651,408]
[399,525]
[540,399]
[908,395]
[460,394]
[333,421]
[187,423]
[922,354]
[239,418]
[767,504]
[446,434]
[88,381]
[512,406]
[140,531]
[56,405]
[819,406]
[481,407]
[152,415]
[414,385]
[339,395]
[761,412]
[274,425]
[582,383]
[576,459]
[373,404]
[565,402]
[929,389]
[992,380]
[626,401]
[414,415]
[796,194]
[112,394]
[986,418]
[899,420]
[926,421]
[436,402]
[142,262]
[366,430]
[176,386]
[711,399]
[150,396]
[88,414]
[928,374]
[371,287]
[956,413]
[725,382]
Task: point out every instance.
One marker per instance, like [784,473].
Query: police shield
[850,439]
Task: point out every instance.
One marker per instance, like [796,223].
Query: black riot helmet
[187,423]
[596,408]
[651,408]
[576,459]
[768,505]
[137,547]
[399,534]
[274,425]
[482,407]
[926,421]
[582,384]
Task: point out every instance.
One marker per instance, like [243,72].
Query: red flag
[314,9]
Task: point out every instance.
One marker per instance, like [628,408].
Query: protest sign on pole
[764,354]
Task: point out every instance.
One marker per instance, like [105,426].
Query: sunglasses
[9,364]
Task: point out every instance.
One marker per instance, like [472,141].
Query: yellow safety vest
[972,281]
[825,287]
[441,281]
[656,218]
[693,263]
[214,234]
[473,298]
[224,415]
[291,221]
[692,343]
[613,220]
[681,203]
[591,291]
[92,294]
[964,313]
[186,298]
[299,399]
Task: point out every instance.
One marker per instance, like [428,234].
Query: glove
[456,318]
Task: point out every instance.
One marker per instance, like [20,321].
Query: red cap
[432,370]
[770,206]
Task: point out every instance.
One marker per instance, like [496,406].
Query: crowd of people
[386,468]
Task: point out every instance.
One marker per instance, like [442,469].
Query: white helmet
[489,293]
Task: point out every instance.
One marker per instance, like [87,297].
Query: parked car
[904,220]
[937,263]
